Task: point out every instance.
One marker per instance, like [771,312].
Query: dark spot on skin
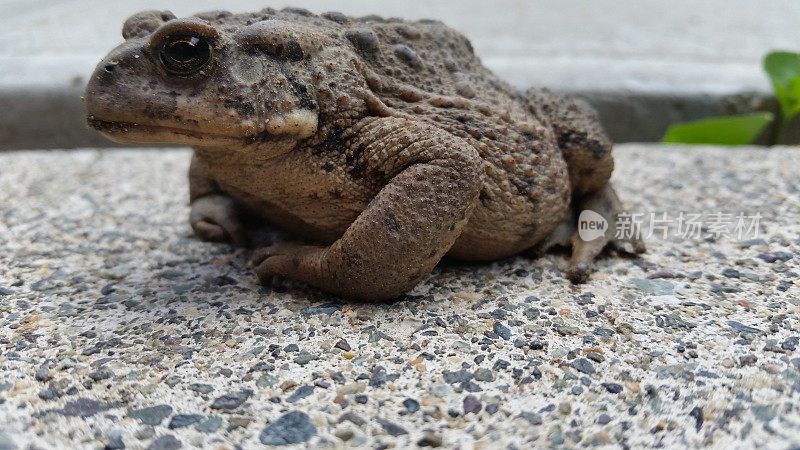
[462,118]
[335,16]
[293,50]
[355,161]
[581,140]
[524,187]
[284,46]
[354,259]
[301,91]
[296,262]
[332,144]
[408,56]
[391,224]
[242,108]
[278,50]
[156,112]
[328,166]
[337,194]
[364,39]
[264,136]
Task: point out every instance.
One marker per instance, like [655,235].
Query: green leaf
[794,94]
[783,69]
[733,130]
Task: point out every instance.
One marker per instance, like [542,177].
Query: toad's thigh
[497,231]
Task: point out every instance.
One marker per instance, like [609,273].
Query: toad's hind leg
[587,151]
[584,144]
[433,182]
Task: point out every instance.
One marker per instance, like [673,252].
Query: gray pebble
[532,418]
[742,328]
[583,365]
[411,405]
[390,427]
[166,442]
[456,377]
[184,420]
[300,393]
[343,345]
[304,358]
[152,415]
[502,330]
[201,388]
[483,374]
[43,374]
[731,273]
[291,428]
[115,443]
[471,404]
[231,401]
[209,425]
[101,374]
[49,394]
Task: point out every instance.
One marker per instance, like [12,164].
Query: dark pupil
[184,50]
[186,55]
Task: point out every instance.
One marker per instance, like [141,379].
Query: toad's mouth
[295,126]
[131,132]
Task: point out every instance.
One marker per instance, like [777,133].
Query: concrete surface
[117,327]
[643,63]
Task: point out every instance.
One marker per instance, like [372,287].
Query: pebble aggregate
[119,329]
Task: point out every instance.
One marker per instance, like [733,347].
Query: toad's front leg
[433,181]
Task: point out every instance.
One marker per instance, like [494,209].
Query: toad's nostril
[109,68]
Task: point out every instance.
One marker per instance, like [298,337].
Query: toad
[380,145]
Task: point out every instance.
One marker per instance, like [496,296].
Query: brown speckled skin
[384,143]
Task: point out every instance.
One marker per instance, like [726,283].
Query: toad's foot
[600,207]
[599,224]
[286,257]
[215,218]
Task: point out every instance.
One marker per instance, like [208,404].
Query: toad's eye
[185,55]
